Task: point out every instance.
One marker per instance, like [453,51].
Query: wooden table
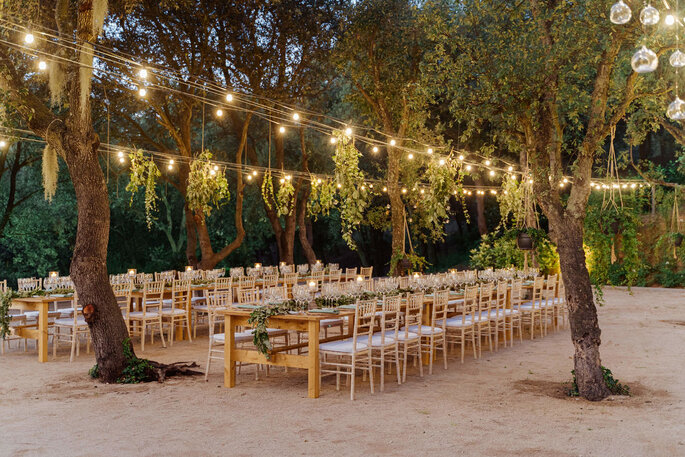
[39,304]
[303,322]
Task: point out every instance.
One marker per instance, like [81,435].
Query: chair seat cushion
[458,322]
[342,346]
[456,301]
[243,337]
[377,339]
[199,307]
[173,312]
[140,315]
[401,336]
[425,330]
[69,321]
[197,299]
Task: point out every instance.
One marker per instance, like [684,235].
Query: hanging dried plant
[57,83]
[85,73]
[99,13]
[50,172]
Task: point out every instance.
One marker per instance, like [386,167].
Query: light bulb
[171,166]
[649,15]
[676,110]
[333,140]
[565,180]
[3,144]
[510,169]
[288,177]
[677,59]
[42,65]
[492,172]
[644,60]
[430,151]
[442,162]
[143,73]
[487,163]
[216,167]
[212,172]
[122,160]
[249,177]
[410,156]
[620,13]
[493,191]
[348,131]
[254,172]
[375,149]
[385,189]
[142,92]
[282,181]
[120,154]
[468,167]
[404,190]
[632,186]
[669,20]
[339,185]
[296,117]
[393,142]
[281,129]
[229,97]
[219,112]
[29,38]
[171,162]
[461,157]
[318,181]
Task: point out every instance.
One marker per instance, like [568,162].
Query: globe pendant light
[676,110]
[649,15]
[644,60]
[677,59]
[620,13]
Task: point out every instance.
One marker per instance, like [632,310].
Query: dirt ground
[509,403]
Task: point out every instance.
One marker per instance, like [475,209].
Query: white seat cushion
[425,329]
[401,336]
[458,321]
[199,307]
[456,301]
[196,299]
[69,321]
[243,337]
[139,315]
[173,311]
[378,341]
[342,346]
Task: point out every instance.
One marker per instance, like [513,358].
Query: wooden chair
[549,311]
[246,282]
[249,296]
[289,280]
[122,293]
[410,342]
[483,320]
[532,310]
[317,277]
[461,327]
[150,315]
[166,276]
[334,276]
[499,310]
[179,310]
[351,354]
[237,272]
[25,284]
[384,343]
[70,329]
[350,274]
[433,335]
[560,303]
[17,321]
[270,280]
[513,314]
[366,272]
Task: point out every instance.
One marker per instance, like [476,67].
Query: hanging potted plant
[524,241]
[678,239]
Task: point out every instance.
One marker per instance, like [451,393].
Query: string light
[254,172]
[468,167]
[510,169]
[142,92]
[339,185]
[281,129]
[669,20]
[282,181]
[212,172]
[3,144]
[423,191]
[296,117]
[348,131]
[442,162]
[430,150]
[249,177]
[219,112]
[216,167]
[229,97]
[29,38]
[565,180]
[120,154]
[334,140]
[493,192]
[385,189]
[375,149]
[142,73]
[288,177]
[492,172]
[393,142]
[461,158]
[410,156]
[42,65]
[404,190]
[487,163]
[122,160]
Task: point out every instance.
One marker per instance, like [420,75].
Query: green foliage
[599,237]
[259,320]
[444,182]
[418,263]
[511,202]
[144,172]
[353,198]
[268,189]
[614,386]
[284,196]
[94,372]
[321,198]
[207,185]
[137,370]
[9,295]
[499,250]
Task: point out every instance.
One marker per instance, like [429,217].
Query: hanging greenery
[321,198]
[354,199]
[144,173]
[207,185]
[434,202]
[259,319]
[50,172]
[511,202]
[268,189]
[284,197]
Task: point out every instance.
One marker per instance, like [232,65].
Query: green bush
[499,250]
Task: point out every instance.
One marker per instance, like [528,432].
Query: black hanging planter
[524,241]
[678,239]
[615,227]
[404,266]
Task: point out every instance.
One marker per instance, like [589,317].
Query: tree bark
[585,332]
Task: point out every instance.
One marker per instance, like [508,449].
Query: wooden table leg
[229,345]
[314,366]
[43,332]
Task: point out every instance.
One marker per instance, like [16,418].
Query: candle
[416,275]
[257,266]
[54,274]
[189,268]
[282,264]
[132,271]
[360,278]
[312,284]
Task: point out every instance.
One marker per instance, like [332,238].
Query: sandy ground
[509,403]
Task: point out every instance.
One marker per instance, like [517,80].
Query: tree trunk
[396,203]
[89,262]
[585,332]
[304,240]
